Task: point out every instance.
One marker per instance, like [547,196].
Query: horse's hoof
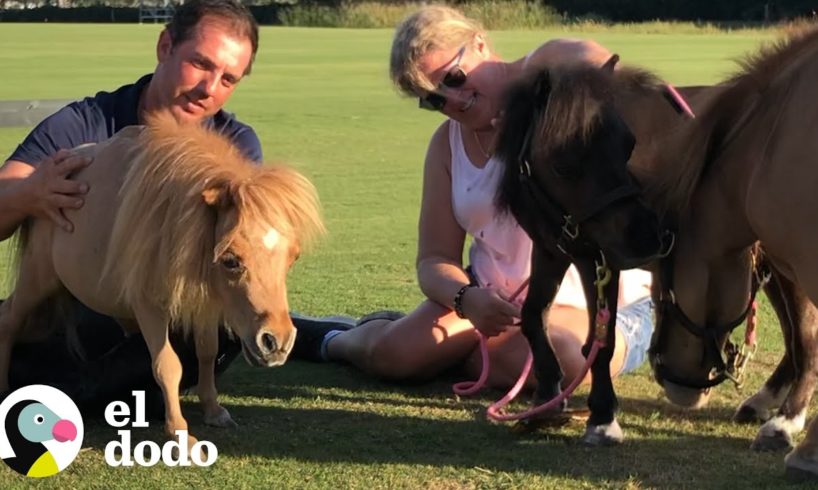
[797,475]
[603,435]
[746,414]
[174,450]
[221,418]
[550,420]
[778,441]
[559,408]
[799,469]
[777,433]
[191,441]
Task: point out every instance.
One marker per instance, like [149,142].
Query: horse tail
[19,241]
[56,315]
[63,308]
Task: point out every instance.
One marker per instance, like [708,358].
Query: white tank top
[500,252]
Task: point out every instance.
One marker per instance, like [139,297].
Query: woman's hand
[489,312]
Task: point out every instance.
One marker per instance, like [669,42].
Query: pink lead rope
[680,101]
[495,409]
[467,388]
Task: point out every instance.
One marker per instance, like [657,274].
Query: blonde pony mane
[163,243]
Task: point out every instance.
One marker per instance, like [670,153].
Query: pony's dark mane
[636,80]
[544,111]
[760,75]
[565,106]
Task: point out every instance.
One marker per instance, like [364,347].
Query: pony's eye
[231,262]
[39,419]
[567,171]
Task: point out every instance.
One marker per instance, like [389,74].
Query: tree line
[687,10]
[603,10]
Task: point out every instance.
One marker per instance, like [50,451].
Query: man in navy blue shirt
[203,53]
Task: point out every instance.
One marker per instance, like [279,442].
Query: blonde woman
[445,62]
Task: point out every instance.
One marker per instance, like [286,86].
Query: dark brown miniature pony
[566,150]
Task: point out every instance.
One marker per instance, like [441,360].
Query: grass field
[321,100]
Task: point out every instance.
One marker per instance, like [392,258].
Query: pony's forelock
[565,106]
[163,241]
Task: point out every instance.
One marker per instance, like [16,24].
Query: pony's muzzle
[275,345]
[267,348]
[266,343]
[682,396]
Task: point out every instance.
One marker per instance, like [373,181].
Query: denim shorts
[635,321]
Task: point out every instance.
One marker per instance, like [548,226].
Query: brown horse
[641,101]
[745,171]
[178,228]
[783,399]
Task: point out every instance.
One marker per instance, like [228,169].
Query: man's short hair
[188,15]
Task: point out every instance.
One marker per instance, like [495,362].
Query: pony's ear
[542,82]
[217,195]
[611,63]
[521,100]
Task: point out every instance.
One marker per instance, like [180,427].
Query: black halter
[710,334]
[568,221]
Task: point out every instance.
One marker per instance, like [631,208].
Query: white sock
[325,342]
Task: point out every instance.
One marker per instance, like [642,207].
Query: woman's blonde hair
[431,27]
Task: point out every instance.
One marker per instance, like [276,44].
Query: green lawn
[321,100]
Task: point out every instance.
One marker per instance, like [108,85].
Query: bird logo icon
[42,429]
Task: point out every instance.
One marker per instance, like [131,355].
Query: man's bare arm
[42,191]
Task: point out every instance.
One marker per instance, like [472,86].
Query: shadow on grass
[278,419]
[338,383]
[359,437]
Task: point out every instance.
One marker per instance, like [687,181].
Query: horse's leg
[602,429]
[207,347]
[777,433]
[37,282]
[547,272]
[760,406]
[167,370]
[802,462]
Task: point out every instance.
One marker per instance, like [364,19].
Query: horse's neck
[653,121]
[659,129]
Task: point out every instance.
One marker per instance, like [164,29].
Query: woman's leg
[567,332]
[418,346]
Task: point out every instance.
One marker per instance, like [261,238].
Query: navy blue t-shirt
[95,119]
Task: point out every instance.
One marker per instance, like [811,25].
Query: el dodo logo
[41,431]
[148,453]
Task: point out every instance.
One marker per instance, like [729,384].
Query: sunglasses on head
[454,78]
